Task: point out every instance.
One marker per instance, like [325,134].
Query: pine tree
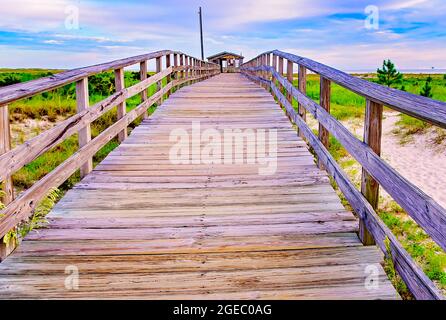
[388,75]
[426,91]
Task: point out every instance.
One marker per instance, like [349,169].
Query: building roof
[225,54]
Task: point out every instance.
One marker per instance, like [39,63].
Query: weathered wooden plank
[66,221]
[304,228]
[164,284]
[329,292]
[191,245]
[27,265]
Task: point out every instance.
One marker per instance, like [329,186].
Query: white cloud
[118,29]
[53,42]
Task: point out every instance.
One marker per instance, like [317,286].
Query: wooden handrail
[30,88]
[23,154]
[423,209]
[423,108]
[20,208]
[420,285]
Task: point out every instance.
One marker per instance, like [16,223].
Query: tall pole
[201,34]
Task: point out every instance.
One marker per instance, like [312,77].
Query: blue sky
[34,33]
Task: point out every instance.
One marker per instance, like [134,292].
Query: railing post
[5,146]
[325,86]
[7,184]
[201,73]
[159,84]
[289,77]
[142,77]
[369,186]
[280,72]
[268,63]
[186,71]
[120,85]
[168,78]
[175,64]
[194,72]
[302,86]
[84,135]
[182,64]
[191,71]
[274,64]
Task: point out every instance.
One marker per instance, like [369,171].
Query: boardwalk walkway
[140,226]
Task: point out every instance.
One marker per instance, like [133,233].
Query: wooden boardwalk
[139,226]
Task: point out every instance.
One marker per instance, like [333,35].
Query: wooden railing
[179,69]
[268,70]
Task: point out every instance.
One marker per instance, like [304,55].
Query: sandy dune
[419,161]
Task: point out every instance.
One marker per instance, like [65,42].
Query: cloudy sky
[341,33]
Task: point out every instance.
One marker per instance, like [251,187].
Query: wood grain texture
[142,77]
[5,146]
[6,186]
[84,134]
[324,100]
[197,230]
[122,107]
[369,186]
[302,86]
[289,76]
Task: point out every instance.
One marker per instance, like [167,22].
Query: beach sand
[420,161]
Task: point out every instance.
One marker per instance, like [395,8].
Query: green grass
[419,245]
[344,103]
[59,104]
